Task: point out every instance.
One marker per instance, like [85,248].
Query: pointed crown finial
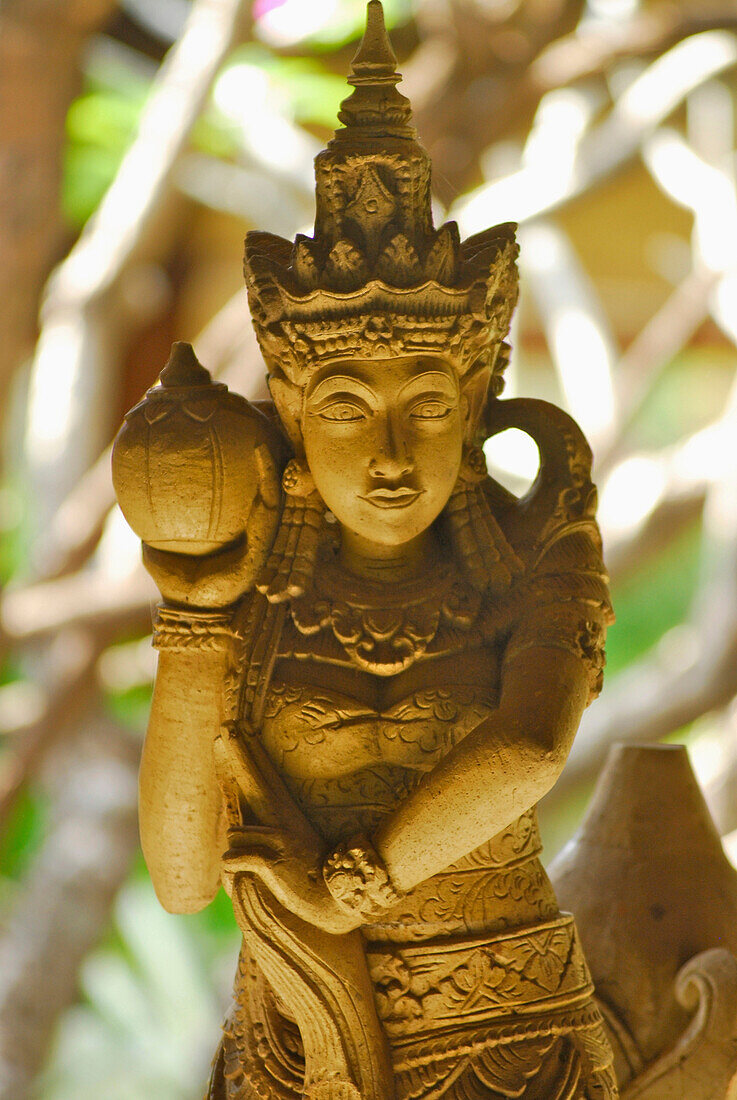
[374,59]
[183,368]
[375,104]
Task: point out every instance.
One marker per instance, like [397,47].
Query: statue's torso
[351,756]
[356,691]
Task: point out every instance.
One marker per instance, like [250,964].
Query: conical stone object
[650,886]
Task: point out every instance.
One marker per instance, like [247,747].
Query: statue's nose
[392,459]
[391,467]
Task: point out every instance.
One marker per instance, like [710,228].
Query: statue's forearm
[179,805]
[500,769]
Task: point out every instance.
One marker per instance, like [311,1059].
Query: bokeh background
[139,140]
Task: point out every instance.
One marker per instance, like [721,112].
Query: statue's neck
[378,562]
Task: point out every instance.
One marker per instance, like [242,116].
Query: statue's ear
[475,391]
[288,401]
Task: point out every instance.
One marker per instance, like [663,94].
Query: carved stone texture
[366,686]
[655,899]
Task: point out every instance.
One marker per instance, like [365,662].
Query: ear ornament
[478,541]
[291,565]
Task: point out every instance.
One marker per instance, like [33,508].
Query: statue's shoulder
[563,539]
[560,595]
[556,519]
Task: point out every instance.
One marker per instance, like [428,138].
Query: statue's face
[383,440]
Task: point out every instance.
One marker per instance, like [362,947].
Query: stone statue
[373,659]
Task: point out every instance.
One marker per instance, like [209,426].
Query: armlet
[187,629]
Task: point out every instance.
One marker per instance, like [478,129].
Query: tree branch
[653,349]
[227,347]
[64,902]
[590,52]
[86,314]
[647,102]
[662,693]
[41,44]
[67,693]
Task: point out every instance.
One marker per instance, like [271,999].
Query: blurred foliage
[305,92]
[691,393]
[336,22]
[654,601]
[23,833]
[102,121]
[14,530]
[131,707]
[148,1018]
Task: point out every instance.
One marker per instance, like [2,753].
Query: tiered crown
[377,279]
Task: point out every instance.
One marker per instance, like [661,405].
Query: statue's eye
[430,410]
[342,411]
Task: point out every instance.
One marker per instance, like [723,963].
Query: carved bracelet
[186,629]
[357,878]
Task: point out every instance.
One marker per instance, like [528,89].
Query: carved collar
[385,627]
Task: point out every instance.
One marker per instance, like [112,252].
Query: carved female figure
[360,700]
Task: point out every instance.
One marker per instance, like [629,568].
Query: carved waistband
[426,987]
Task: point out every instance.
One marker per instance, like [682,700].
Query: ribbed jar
[184,462]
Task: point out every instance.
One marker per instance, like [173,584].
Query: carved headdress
[377,279]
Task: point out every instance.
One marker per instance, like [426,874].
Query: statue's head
[384,337]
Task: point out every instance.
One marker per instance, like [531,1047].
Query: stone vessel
[186,461]
[655,899]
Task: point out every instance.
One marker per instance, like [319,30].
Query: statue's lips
[393,498]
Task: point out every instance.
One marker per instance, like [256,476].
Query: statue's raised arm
[373,659]
[197,473]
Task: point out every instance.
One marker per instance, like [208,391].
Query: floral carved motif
[431,985]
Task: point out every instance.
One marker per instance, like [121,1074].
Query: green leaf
[305,91]
[23,833]
[131,707]
[654,600]
[150,1021]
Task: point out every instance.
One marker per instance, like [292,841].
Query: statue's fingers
[255,862]
[166,563]
[269,480]
[228,877]
[249,837]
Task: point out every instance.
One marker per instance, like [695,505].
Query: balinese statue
[373,658]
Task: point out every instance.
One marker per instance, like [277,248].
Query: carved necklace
[385,627]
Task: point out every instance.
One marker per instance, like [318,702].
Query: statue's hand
[208,580]
[291,868]
[220,578]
